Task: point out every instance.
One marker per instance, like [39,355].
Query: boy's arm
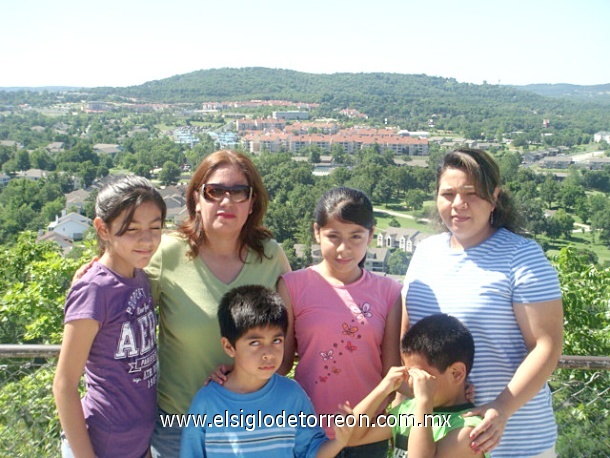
[363,433]
[456,444]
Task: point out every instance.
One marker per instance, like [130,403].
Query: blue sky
[129,42]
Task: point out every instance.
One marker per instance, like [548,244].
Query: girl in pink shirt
[344,322]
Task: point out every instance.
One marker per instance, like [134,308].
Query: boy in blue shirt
[438,353]
[255,412]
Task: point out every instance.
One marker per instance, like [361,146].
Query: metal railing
[29,425]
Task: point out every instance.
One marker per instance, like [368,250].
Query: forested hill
[264,83]
[599,93]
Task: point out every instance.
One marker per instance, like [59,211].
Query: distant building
[4,179]
[109,149]
[10,143]
[65,243]
[32,174]
[97,107]
[55,147]
[599,136]
[405,239]
[290,115]
[599,163]
[556,162]
[77,199]
[185,136]
[71,225]
[376,258]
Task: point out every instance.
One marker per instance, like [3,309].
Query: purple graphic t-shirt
[120,403]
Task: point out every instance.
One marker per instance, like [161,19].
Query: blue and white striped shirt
[479,286]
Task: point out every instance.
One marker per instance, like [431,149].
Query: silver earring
[491,219]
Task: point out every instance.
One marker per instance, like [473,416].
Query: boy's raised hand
[423,384]
[394,378]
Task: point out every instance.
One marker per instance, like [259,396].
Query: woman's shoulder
[173,242]
[271,247]
[507,239]
[433,241]
[274,253]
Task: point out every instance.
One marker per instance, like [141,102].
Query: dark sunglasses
[216,192]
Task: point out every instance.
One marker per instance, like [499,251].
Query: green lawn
[580,241]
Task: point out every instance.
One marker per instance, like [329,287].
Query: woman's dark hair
[125,192]
[347,205]
[253,233]
[483,171]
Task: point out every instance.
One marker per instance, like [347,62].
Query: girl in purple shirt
[110,331]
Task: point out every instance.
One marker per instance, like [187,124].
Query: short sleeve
[534,278]
[85,301]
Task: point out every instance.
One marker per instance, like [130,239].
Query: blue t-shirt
[479,286]
[271,422]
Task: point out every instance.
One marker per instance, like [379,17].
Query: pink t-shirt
[339,331]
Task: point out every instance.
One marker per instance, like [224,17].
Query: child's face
[441,386]
[257,354]
[134,248]
[343,245]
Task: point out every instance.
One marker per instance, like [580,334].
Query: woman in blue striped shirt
[503,288]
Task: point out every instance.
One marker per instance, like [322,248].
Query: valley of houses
[289,131]
[72,225]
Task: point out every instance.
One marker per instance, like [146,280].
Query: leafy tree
[35,278]
[398,263]
[600,221]
[23,160]
[383,190]
[170,174]
[585,289]
[569,195]
[509,165]
[415,198]
[549,190]
[553,228]
[314,156]
[87,171]
[564,223]
[40,159]
[598,202]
